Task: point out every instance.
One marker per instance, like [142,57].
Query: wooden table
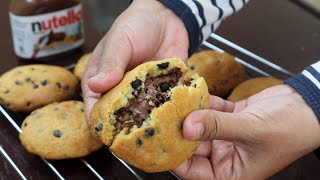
[279,31]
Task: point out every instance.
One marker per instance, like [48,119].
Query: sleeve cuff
[189,20]
[311,95]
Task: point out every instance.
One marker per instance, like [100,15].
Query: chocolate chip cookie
[251,87]
[221,72]
[81,66]
[26,88]
[58,131]
[141,118]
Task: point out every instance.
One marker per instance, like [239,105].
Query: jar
[46,28]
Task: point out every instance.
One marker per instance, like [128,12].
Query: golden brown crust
[76,140]
[166,148]
[81,65]
[26,88]
[251,87]
[221,72]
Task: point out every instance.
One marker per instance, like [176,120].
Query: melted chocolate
[154,94]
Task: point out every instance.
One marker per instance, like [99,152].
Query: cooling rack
[96,170]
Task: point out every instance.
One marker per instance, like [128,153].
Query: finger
[204,149]
[197,167]
[205,125]
[219,104]
[90,97]
[114,58]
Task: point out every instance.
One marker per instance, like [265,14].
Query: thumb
[207,125]
[114,53]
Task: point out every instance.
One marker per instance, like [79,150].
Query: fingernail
[197,130]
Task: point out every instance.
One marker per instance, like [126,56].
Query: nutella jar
[46,28]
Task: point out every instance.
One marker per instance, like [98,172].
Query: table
[279,31]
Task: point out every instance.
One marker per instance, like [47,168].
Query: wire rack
[252,69]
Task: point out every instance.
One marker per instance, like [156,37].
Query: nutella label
[47,34]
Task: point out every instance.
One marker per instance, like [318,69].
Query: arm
[201,18]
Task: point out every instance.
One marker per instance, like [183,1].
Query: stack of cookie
[52,130]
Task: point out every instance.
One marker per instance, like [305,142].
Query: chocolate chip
[25,125]
[164,86]
[149,111]
[6,91]
[28,103]
[138,143]
[163,65]
[66,87]
[148,132]
[58,85]
[136,83]
[192,67]
[99,127]
[18,82]
[57,133]
[35,86]
[223,82]
[44,82]
[28,79]
[195,85]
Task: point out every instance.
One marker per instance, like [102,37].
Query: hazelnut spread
[42,28]
[154,93]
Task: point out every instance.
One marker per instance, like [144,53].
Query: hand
[147,30]
[251,139]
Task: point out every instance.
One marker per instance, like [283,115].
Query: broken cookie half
[141,118]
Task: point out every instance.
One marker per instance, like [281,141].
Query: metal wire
[250,54]
[128,167]
[249,66]
[12,163]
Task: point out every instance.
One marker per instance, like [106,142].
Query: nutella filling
[154,93]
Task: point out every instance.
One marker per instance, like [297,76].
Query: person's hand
[147,30]
[251,139]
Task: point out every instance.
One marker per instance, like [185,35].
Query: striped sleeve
[202,17]
[307,84]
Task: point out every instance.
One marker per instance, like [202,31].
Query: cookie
[221,72]
[58,131]
[251,87]
[26,88]
[81,65]
[141,118]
